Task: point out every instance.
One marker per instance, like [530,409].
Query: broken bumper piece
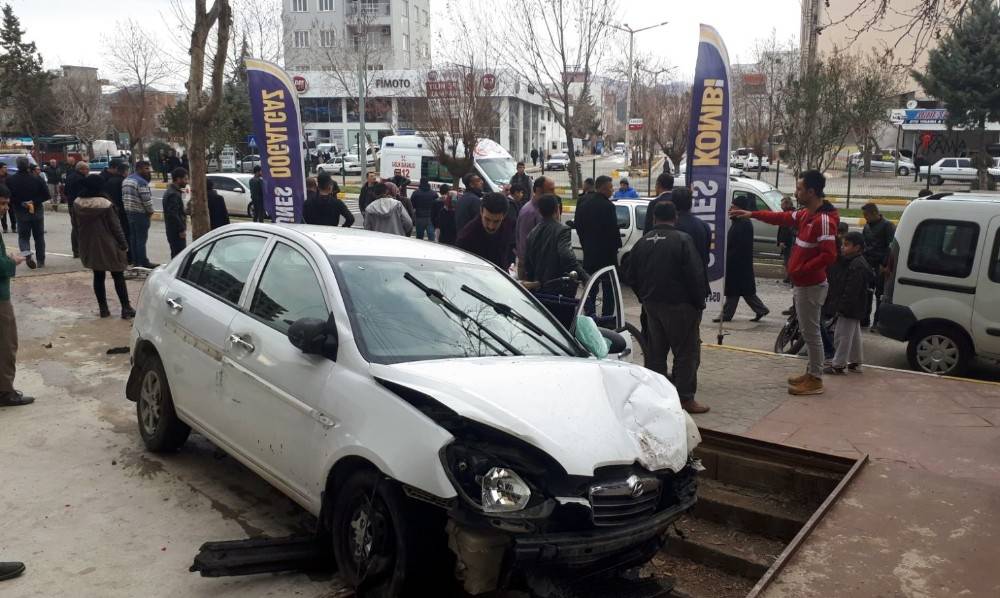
[602,548]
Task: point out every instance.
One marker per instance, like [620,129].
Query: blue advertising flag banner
[708,150]
[277,129]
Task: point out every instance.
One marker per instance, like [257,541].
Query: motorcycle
[790,340]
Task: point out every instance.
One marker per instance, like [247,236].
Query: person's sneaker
[810,386]
[14,398]
[30,261]
[854,368]
[833,370]
[797,379]
[694,407]
[10,570]
[128,313]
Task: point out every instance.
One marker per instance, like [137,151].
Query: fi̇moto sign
[274,106]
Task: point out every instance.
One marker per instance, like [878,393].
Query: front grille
[625,501]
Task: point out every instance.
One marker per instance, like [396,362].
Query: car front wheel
[159,426]
[939,350]
[904,171]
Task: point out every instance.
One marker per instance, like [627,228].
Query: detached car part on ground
[438,421]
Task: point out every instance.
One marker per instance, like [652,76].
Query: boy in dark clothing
[174,218]
[848,292]
[834,275]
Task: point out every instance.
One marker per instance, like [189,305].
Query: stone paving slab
[923,518]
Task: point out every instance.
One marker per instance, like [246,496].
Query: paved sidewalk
[923,518]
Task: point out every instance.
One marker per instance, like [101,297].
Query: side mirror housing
[313,336]
[570,224]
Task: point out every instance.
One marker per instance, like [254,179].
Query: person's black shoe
[14,398]
[41,263]
[30,261]
[105,312]
[760,316]
[128,313]
[10,570]
[787,312]
[717,320]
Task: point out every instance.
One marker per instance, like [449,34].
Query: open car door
[603,302]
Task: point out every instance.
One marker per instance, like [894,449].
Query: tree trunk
[983,160]
[574,181]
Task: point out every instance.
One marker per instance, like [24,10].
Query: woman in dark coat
[445,221]
[102,243]
[740,279]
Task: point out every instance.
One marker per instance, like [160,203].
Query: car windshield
[773,199]
[560,157]
[498,170]
[398,316]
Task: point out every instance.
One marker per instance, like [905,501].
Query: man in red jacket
[815,249]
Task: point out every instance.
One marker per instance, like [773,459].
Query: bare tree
[873,88]
[909,27]
[83,110]
[666,115]
[257,26]
[759,90]
[557,51]
[816,111]
[138,61]
[351,59]
[204,103]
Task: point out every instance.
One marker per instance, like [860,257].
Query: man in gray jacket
[387,214]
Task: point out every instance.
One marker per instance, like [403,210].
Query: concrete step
[722,547]
[749,510]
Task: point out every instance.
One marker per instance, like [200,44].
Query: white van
[413,157]
[943,292]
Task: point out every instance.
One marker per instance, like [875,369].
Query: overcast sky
[71,32]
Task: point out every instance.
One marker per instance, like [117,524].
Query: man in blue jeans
[138,201]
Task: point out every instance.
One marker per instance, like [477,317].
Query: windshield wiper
[509,312]
[438,297]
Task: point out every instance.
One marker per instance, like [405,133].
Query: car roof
[342,241]
[976,197]
[231,175]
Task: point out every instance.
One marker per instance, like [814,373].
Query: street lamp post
[631,69]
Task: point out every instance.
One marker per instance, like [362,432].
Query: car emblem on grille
[636,486]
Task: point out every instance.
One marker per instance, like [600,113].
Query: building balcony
[368,10]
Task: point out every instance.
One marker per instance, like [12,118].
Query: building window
[321,110]
[300,5]
[301,39]
[427,18]
[944,248]
[404,9]
[406,43]
[326,5]
[302,67]
[326,38]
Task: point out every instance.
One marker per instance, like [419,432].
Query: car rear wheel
[159,426]
[936,180]
[940,350]
[903,171]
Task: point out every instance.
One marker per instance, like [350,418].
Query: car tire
[939,349]
[250,210]
[903,171]
[936,180]
[640,339]
[371,515]
[161,430]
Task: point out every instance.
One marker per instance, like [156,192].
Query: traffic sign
[635,124]
[251,141]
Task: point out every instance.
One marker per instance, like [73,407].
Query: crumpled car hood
[585,413]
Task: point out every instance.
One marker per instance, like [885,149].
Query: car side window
[288,290]
[624,217]
[640,215]
[965,163]
[225,184]
[228,265]
[948,164]
[944,248]
[995,260]
[196,264]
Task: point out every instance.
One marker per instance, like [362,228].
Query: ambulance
[413,157]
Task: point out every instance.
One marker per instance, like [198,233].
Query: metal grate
[626,501]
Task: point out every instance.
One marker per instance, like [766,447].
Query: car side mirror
[570,224]
[617,341]
[314,336]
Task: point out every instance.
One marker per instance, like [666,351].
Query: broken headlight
[504,491]
[485,482]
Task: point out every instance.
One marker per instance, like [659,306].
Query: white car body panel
[228,185]
[634,412]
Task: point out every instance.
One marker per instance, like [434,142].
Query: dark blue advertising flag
[708,150]
[277,130]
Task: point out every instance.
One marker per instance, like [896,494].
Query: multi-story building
[395,33]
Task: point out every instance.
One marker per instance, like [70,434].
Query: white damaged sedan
[420,403]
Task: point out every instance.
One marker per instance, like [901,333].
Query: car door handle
[241,342]
[323,419]
[174,304]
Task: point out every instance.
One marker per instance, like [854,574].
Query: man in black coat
[667,274]
[174,218]
[549,255]
[490,235]
[740,279]
[664,187]
[596,223]
[470,201]
[326,208]
[878,235]
[218,213]
[28,194]
[113,189]
[367,194]
[520,178]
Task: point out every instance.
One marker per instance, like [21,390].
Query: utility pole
[808,34]
[631,70]
[362,138]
